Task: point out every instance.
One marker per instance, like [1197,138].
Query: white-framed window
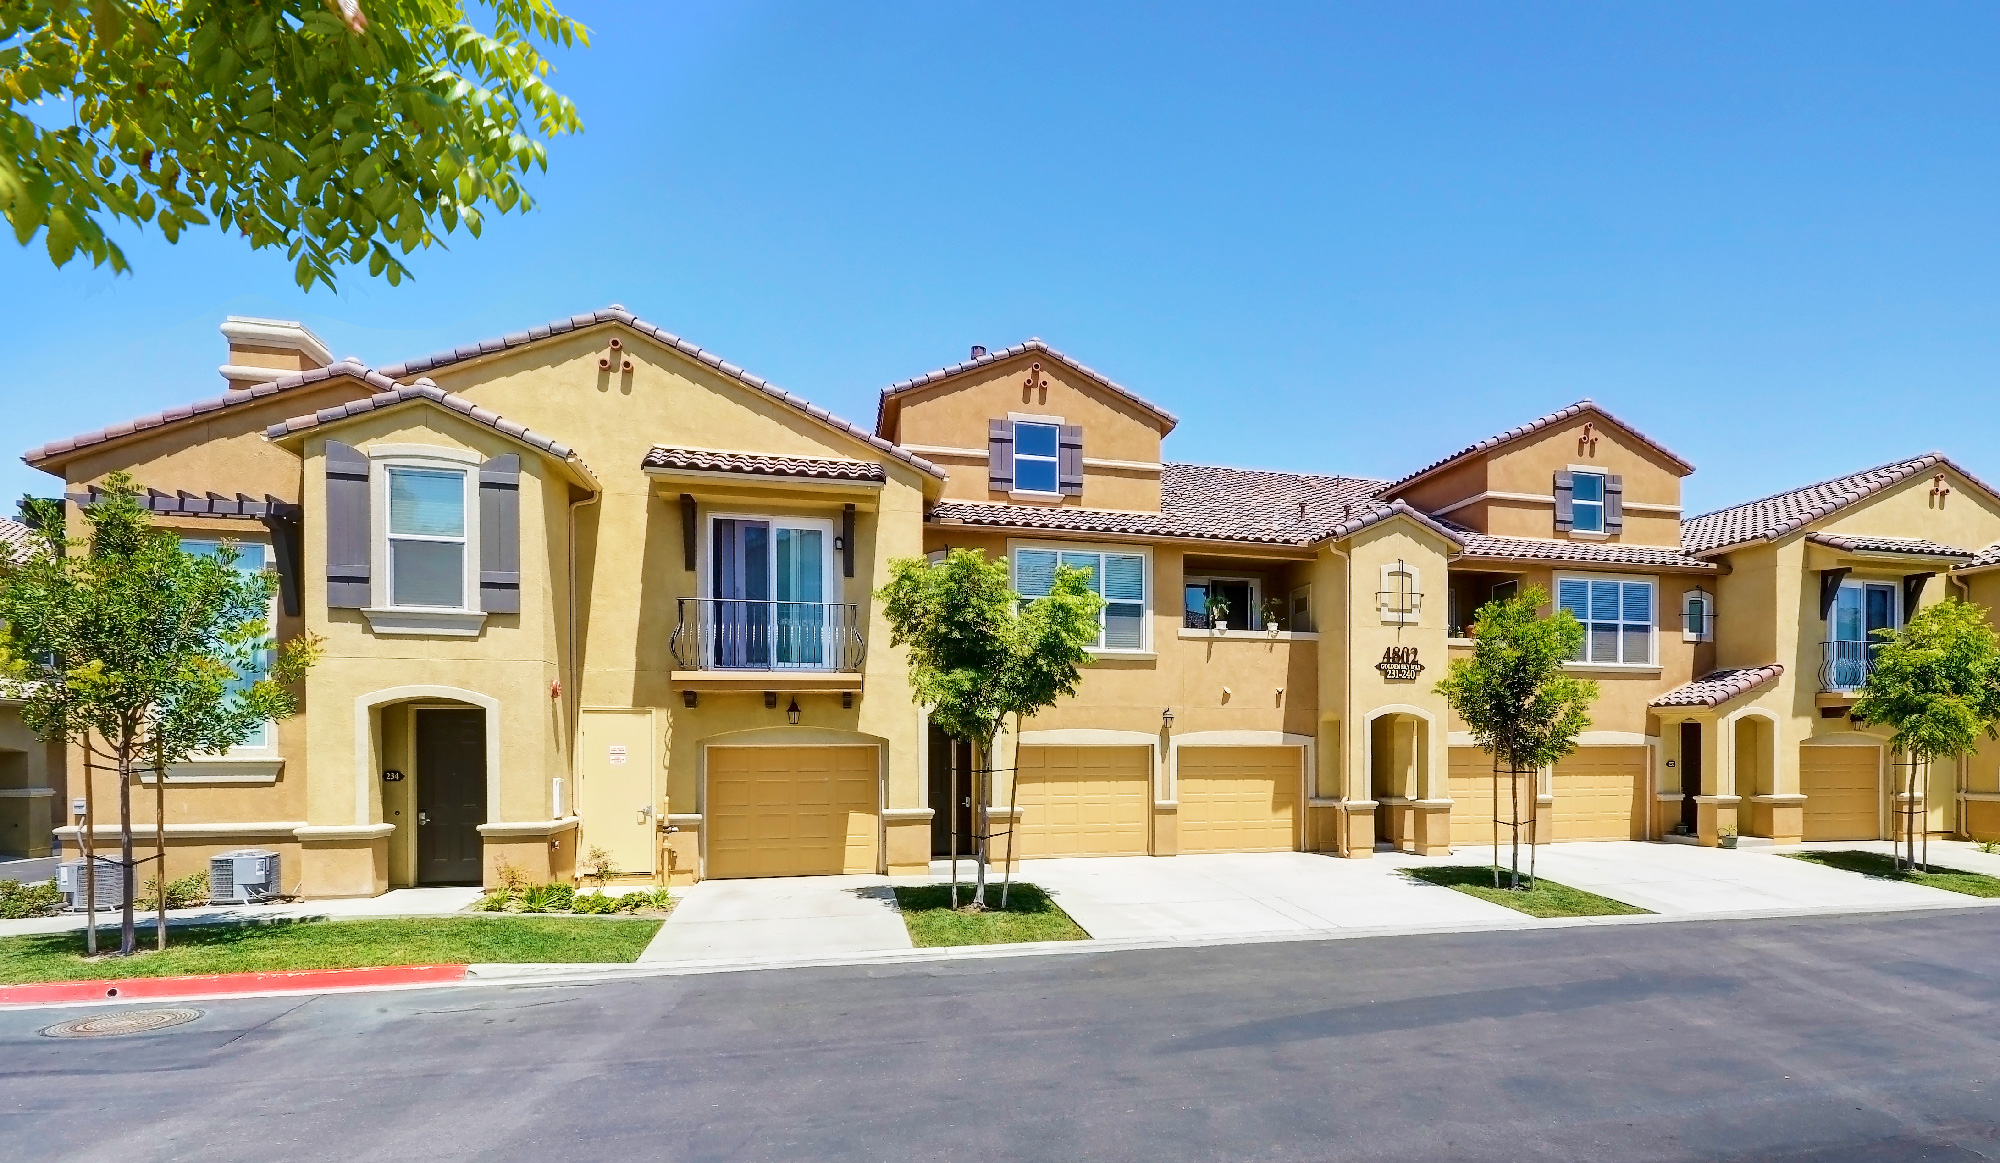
[1233,600]
[1697,616]
[1122,577]
[427,542]
[1860,608]
[1398,595]
[1587,502]
[1036,448]
[1617,617]
[252,557]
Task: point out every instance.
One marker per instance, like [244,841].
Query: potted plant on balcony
[1218,612]
[1273,610]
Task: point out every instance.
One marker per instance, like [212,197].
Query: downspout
[1346,691]
[575,653]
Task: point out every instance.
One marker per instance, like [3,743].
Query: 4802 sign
[1399,664]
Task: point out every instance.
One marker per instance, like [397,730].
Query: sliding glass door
[768,589]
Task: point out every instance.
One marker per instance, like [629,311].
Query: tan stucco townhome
[590,586]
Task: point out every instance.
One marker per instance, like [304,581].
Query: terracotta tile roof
[1912,545]
[17,541]
[893,390]
[1987,557]
[1580,408]
[1213,503]
[346,367]
[618,314]
[756,464]
[1719,686]
[425,390]
[1779,514]
[1583,553]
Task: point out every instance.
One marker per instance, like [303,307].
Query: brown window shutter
[1069,461]
[1000,455]
[347,528]
[1614,503]
[1565,501]
[500,535]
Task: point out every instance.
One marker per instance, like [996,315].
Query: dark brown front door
[941,795]
[451,795]
[1690,776]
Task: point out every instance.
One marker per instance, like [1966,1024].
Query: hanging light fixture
[792,713]
[1167,719]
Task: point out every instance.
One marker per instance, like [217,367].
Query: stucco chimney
[262,350]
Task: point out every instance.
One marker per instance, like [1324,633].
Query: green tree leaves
[343,133]
[1513,692]
[1935,683]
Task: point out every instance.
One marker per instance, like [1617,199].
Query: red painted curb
[210,984]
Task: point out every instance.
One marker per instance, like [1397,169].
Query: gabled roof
[1719,686]
[350,367]
[760,465]
[1583,407]
[1780,514]
[428,392]
[891,395]
[618,314]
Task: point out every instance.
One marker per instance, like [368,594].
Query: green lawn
[1546,899]
[1030,916]
[1879,865]
[284,945]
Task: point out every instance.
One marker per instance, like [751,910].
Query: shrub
[1990,847]
[599,866]
[561,896]
[632,902]
[510,875]
[186,893]
[496,901]
[592,903]
[19,900]
[537,898]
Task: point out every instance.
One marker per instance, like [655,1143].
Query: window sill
[1132,655]
[1626,668]
[222,769]
[442,623]
[1588,535]
[1024,495]
[1461,642]
[1248,635]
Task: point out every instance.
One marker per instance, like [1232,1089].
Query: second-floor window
[1617,617]
[1119,577]
[427,537]
[251,558]
[1035,453]
[1587,502]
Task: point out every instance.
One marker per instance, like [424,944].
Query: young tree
[1936,684]
[978,655]
[342,131]
[1524,710]
[142,654]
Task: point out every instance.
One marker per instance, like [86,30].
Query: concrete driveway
[1685,880]
[1242,894]
[780,917]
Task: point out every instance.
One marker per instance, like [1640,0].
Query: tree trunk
[951,745]
[89,846]
[128,937]
[1514,825]
[982,758]
[160,849]
[1013,817]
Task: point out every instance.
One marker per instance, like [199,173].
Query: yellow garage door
[1600,794]
[1239,799]
[1841,792]
[1083,801]
[1472,791]
[791,811]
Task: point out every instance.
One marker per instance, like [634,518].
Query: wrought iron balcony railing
[1843,666]
[740,634]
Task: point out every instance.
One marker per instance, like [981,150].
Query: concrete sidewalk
[401,902]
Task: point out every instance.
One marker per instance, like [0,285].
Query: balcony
[746,637]
[1843,666]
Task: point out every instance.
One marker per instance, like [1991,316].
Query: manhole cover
[123,1022]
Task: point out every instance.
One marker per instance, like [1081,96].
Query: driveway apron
[791,916]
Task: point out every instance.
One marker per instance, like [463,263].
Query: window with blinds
[1617,619]
[1120,578]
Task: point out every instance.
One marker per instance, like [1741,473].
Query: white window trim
[1143,552]
[1256,598]
[1599,533]
[1014,421]
[384,617]
[255,756]
[830,589]
[1653,632]
[1385,586]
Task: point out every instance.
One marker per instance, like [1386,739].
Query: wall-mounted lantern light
[792,713]
[1167,719]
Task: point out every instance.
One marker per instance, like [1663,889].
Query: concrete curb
[217,985]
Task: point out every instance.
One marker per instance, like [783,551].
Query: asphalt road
[1826,1039]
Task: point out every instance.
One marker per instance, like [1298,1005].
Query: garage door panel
[1600,794]
[1083,801]
[1239,799]
[1470,779]
[1842,789]
[791,811]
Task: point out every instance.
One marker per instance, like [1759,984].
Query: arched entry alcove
[1398,762]
[434,754]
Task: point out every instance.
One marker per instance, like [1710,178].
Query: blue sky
[1331,238]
